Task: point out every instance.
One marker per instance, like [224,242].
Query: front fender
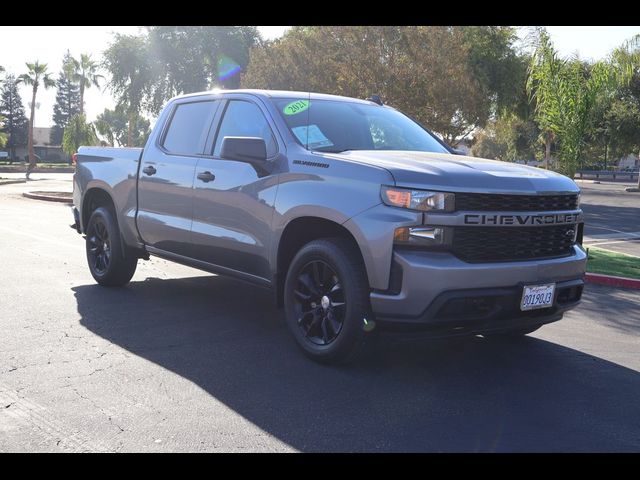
[373,229]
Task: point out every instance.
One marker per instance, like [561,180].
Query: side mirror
[251,150]
[457,151]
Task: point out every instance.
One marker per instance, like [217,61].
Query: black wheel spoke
[325,333]
[317,277]
[311,325]
[320,302]
[327,275]
[333,323]
[98,262]
[307,281]
[302,296]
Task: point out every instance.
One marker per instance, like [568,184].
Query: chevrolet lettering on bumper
[545,219]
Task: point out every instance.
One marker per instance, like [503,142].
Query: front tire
[108,264]
[327,300]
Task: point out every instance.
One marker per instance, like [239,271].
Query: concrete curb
[48,198]
[7,169]
[612,281]
[11,182]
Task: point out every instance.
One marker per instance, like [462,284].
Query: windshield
[336,126]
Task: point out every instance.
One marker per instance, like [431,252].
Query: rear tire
[326,298]
[108,264]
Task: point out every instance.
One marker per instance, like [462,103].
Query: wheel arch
[298,232]
[95,197]
[98,196]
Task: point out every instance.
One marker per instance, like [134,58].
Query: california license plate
[537,296]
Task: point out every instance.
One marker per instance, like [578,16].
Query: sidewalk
[38,176]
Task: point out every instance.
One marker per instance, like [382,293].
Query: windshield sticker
[312,135]
[296,107]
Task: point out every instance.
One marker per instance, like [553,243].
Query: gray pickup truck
[354,215]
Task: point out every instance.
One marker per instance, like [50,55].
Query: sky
[48,45]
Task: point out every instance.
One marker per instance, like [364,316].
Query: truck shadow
[404,395]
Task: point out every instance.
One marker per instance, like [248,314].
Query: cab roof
[282,94]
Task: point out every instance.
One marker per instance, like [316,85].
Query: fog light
[419,236]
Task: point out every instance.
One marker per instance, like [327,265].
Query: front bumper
[438,290]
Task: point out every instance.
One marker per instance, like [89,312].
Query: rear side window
[189,126]
[245,119]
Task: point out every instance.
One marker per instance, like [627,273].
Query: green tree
[432,73]
[616,132]
[36,75]
[67,99]
[78,133]
[4,137]
[127,60]
[16,125]
[86,75]
[196,58]
[566,94]
[499,70]
[486,144]
[113,125]
[520,137]
[508,138]
[627,60]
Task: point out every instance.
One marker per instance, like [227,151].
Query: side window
[189,127]
[245,119]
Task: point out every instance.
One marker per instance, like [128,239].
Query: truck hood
[447,172]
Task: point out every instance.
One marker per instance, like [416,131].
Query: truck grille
[486,202]
[504,244]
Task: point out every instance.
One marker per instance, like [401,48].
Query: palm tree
[37,73]
[127,60]
[86,76]
[627,60]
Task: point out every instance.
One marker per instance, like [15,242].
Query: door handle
[206,176]
[149,170]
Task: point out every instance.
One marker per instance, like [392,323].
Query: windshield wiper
[332,151]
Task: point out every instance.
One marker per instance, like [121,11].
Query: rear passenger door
[233,203]
[165,186]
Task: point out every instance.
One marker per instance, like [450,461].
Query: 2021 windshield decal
[296,107]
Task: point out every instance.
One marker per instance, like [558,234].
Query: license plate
[537,296]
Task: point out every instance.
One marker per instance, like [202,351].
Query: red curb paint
[612,281]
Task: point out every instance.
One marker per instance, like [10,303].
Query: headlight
[422,200]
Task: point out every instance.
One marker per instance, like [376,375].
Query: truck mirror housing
[251,150]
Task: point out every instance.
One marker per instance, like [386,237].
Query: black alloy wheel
[320,304]
[111,263]
[326,300]
[99,247]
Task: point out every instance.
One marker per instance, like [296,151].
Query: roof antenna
[308,118]
[375,99]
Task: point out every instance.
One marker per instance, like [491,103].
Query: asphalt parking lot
[181,360]
[612,216]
